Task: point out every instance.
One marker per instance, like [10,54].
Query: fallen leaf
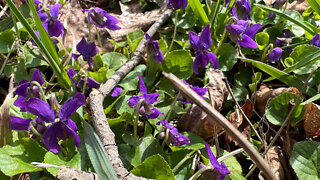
[274,156]
[311,122]
[264,94]
[197,121]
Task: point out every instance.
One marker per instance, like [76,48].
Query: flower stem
[34,130]
[230,20]
[188,156]
[174,32]
[264,54]
[99,39]
[172,106]
[198,173]
[165,139]
[89,28]
[35,83]
[136,119]
[85,81]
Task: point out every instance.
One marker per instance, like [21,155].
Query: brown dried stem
[97,96]
[223,122]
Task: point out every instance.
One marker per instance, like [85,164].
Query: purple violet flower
[243,33]
[221,168]
[275,54]
[176,138]
[102,19]
[146,100]
[285,40]
[62,129]
[24,89]
[177,4]
[154,49]
[242,9]
[198,90]
[202,43]
[116,92]
[50,22]
[315,40]
[86,50]
[79,81]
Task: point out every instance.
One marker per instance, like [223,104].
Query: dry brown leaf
[264,94]
[5,121]
[312,120]
[274,156]
[197,121]
[298,5]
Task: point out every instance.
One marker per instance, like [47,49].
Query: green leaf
[185,170]
[114,60]
[227,57]
[278,108]
[109,108]
[147,146]
[305,159]
[179,62]
[100,75]
[196,142]
[186,20]
[131,80]
[305,26]
[16,158]
[133,39]
[33,58]
[6,39]
[315,5]
[97,155]
[199,12]
[280,75]
[262,39]
[122,105]
[154,167]
[51,158]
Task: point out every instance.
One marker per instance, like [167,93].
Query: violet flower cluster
[102,19]
[87,51]
[46,124]
[25,89]
[243,33]
[50,21]
[176,138]
[177,4]
[154,49]
[202,43]
[79,81]
[145,101]
[241,9]
[220,170]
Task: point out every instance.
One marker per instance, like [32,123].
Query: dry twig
[223,122]
[97,96]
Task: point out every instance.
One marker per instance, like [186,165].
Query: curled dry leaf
[274,157]
[298,5]
[312,120]
[264,94]
[197,121]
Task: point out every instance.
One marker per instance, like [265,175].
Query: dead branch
[223,122]
[97,96]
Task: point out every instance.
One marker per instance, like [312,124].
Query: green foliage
[178,62]
[54,159]
[278,108]
[114,60]
[305,159]
[97,155]
[199,12]
[227,57]
[154,167]
[133,39]
[16,158]
[262,39]
[6,40]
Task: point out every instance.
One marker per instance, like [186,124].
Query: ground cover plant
[190,90]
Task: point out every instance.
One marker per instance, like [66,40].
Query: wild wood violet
[102,19]
[176,138]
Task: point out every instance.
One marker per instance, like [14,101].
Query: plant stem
[188,156]
[172,106]
[89,27]
[174,32]
[264,54]
[136,119]
[99,39]
[165,139]
[35,83]
[7,58]
[198,173]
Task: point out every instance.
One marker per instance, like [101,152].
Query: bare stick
[97,96]
[223,122]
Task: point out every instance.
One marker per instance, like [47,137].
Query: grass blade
[315,5]
[290,80]
[97,155]
[306,27]
[58,70]
[197,9]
